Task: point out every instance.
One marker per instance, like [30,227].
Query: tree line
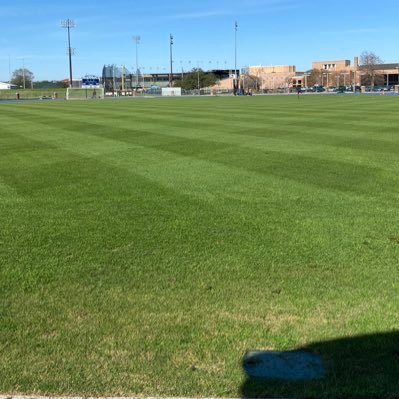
[24,78]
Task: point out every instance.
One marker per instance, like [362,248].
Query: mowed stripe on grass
[146,245]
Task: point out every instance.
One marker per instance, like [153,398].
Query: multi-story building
[331,73]
[273,76]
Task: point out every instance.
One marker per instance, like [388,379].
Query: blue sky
[270,32]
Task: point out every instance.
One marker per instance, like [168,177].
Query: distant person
[94,95]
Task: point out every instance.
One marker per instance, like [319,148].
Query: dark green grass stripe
[277,132]
[298,118]
[332,175]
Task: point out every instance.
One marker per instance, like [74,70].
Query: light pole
[9,70]
[136,40]
[235,85]
[198,79]
[23,73]
[235,48]
[113,79]
[69,23]
[141,68]
[354,81]
[171,60]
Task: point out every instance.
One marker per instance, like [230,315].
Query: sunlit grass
[145,245]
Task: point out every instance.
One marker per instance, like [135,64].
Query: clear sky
[270,32]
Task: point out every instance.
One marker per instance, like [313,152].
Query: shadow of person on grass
[360,367]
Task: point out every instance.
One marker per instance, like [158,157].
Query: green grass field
[31,93]
[146,244]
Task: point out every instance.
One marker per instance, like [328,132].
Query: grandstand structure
[120,80]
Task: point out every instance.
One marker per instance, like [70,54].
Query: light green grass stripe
[8,194]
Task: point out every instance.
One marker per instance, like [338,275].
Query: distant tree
[190,80]
[369,80]
[46,84]
[21,76]
[64,83]
[250,82]
[288,81]
[335,78]
[314,77]
[369,64]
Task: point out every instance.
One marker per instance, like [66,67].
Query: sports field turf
[146,245]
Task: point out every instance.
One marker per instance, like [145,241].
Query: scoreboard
[90,82]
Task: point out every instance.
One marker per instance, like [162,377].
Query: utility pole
[171,61]
[113,80]
[23,73]
[9,70]
[69,23]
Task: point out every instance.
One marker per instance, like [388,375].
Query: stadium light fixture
[68,24]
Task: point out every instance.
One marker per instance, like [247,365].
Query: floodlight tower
[235,48]
[235,78]
[136,40]
[171,60]
[69,23]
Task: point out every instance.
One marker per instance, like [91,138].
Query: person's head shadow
[359,367]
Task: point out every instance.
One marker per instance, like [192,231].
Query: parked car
[340,89]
